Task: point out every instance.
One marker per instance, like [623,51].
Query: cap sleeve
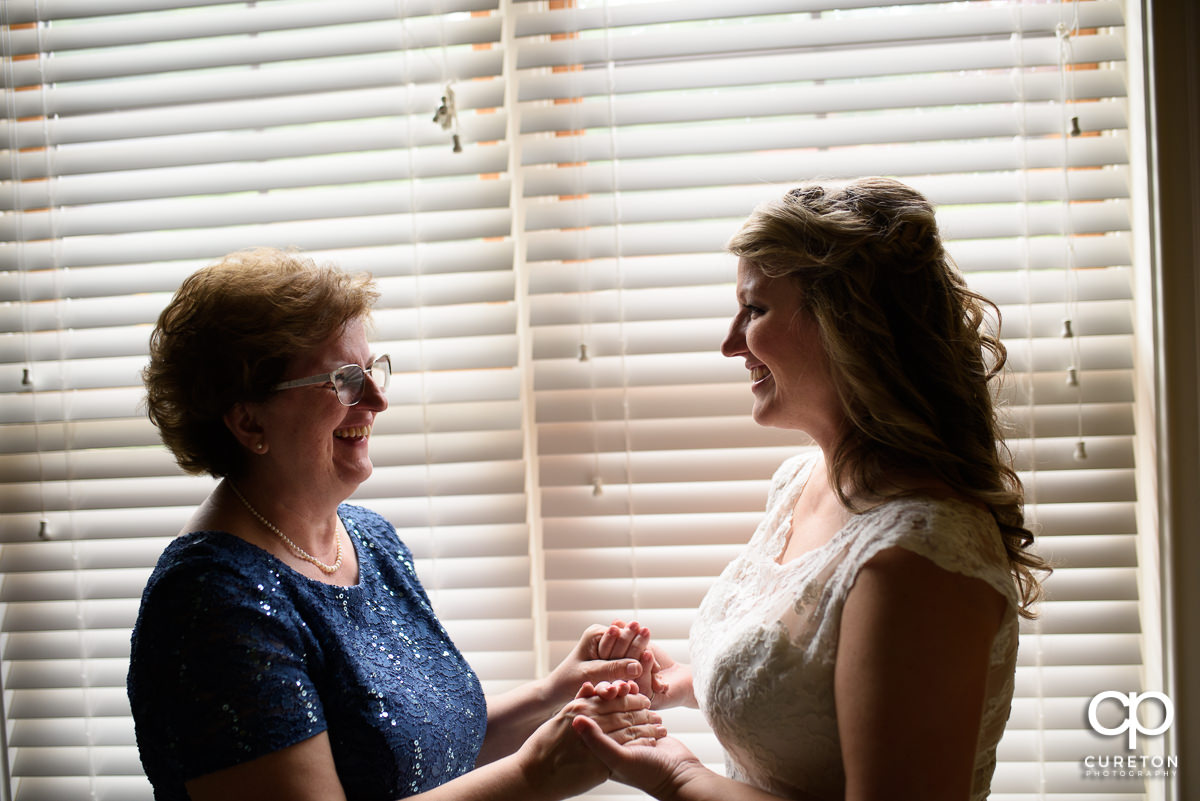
[222,670]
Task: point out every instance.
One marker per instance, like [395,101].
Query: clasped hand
[657,765]
[556,759]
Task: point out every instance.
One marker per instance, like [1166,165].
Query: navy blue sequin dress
[236,655]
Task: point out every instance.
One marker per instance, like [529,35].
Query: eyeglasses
[349,380]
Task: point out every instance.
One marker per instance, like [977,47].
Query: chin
[355,476]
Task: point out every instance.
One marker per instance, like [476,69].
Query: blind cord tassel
[446,117]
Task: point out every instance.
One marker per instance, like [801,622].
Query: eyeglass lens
[349,381]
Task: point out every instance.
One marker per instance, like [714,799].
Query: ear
[242,420]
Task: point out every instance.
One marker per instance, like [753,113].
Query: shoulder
[950,535]
[379,545]
[203,564]
[373,530]
[213,580]
[793,470]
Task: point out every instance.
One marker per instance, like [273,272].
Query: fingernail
[633,669]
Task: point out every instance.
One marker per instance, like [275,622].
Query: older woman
[863,645]
[284,647]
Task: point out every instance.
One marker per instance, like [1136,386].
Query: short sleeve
[955,536]
[227,662]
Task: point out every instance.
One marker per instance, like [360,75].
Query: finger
[616,721]
[600,706]
[586,690]
[641,722]
[643,741]
[590,640]
[612,670]
[620,648]
[604,645]
[605,749]
[630,735]
[649,666]
[616,689]
[639,645]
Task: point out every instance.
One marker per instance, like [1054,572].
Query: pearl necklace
[293,547]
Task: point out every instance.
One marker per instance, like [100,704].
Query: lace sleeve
[227,671]
[954,535]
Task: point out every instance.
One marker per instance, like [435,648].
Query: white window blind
[564,444]
[648,130]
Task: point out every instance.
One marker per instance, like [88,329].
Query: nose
[735,341]
[373,397]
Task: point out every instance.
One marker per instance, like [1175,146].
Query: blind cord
[1030,508]
[623,344]
[1069,128]
[432,582]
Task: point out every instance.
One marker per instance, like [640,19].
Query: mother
[863,646]
[284,648]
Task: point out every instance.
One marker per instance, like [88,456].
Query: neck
[310,524]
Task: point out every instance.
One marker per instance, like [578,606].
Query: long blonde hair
[908,348]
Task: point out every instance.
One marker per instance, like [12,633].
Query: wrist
[522,777]
[553,690]
[687,781]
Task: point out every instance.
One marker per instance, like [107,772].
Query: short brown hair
[228,334]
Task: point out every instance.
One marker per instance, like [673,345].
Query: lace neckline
[778,541]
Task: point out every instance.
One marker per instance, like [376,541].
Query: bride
[863,645]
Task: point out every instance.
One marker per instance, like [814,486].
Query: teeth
[350,433]
[759,373]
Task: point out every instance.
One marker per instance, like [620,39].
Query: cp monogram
[1132,723]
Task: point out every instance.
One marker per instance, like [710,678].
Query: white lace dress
[765,640]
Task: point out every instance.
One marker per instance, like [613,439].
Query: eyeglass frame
[331,378]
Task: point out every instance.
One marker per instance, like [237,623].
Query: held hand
[659,768]
[670,681]
[603,654]
[623,640]
[620,711]
[554,758]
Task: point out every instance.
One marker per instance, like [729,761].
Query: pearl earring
[260,446]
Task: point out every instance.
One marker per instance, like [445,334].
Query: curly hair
[227,336]
[908,346]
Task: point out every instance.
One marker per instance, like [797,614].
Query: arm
[602,654]
[910,681]
[667,770]
[553,764]
[911,676]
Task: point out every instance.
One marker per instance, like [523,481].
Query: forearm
[514,715]
[501,780]
[697,783]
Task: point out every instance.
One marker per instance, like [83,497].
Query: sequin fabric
[235,655]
